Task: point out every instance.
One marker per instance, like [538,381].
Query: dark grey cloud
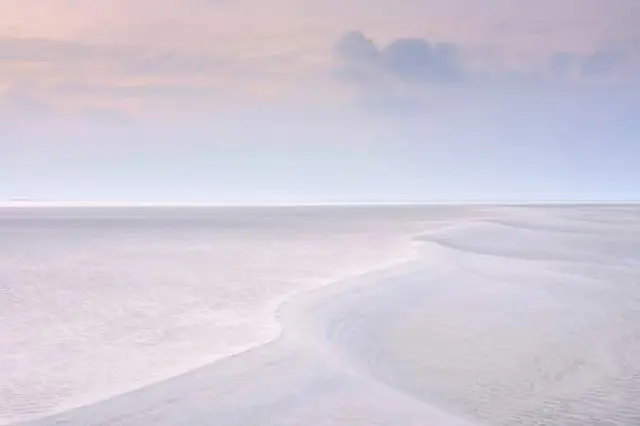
[408,60]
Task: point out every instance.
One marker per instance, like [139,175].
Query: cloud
[411,75]
[77,70]
[106,117]
[603,62]
[355,47]
[174,63]
[26,109]
[416,60]
[359,59]
[19,104]
[129,59]
[407,60]
[612,63]
[562,63]
[51,50]
[137,91]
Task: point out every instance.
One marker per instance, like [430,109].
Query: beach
[441,315]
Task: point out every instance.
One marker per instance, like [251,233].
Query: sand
[524,316]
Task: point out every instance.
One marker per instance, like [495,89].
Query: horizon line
[159,204]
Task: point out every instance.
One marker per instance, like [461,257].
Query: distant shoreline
[127,204]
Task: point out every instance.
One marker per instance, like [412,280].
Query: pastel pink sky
[128,54]
[300,100]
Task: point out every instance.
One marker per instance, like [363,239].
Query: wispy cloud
[127,48]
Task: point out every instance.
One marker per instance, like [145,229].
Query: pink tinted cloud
[149,51]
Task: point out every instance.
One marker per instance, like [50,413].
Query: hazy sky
[316,101]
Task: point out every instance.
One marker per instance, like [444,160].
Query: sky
[299,101]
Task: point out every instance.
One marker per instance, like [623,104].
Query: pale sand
[299,379]
[296,380]
[498,323]
[542,334]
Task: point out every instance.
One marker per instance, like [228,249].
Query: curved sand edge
[295,379]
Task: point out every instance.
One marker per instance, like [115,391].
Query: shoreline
[290,307]
[450,336]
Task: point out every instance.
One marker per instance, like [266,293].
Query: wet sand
[528,317]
